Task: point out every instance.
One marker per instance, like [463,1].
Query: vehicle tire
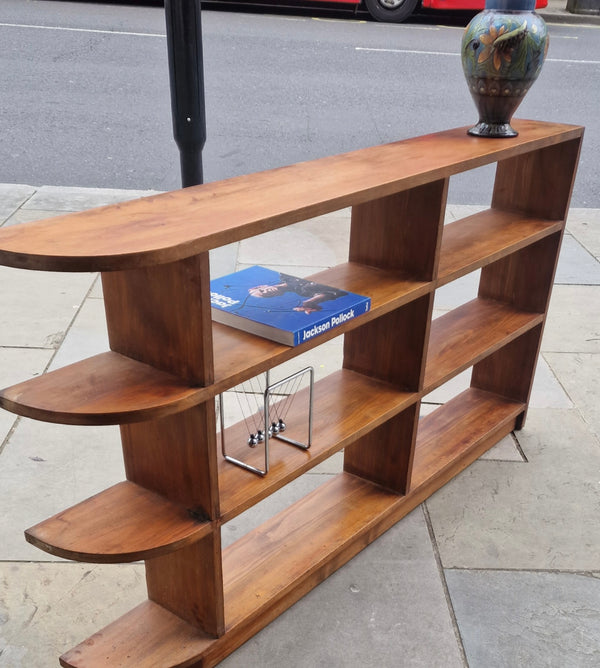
[391,11]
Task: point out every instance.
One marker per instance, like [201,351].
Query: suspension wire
[243,412]
[290,391]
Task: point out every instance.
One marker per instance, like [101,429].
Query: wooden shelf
[467,334]
[146,637]
[105,389]
[348,405]
[170,360]
[473,242]
[316,534]
[274,565]
[271,567]
[458,432]
[173,226]
[111,388]
[238,355]
[124,523]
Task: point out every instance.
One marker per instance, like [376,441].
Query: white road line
[452,53]
[358,48]
[103,32]
[426,53]
[569,60]
[577,62]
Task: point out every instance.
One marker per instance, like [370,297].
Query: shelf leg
[385,455]
[524,280]
[384,233]
[510,371]
[189,583]
[538,183]
[161,316]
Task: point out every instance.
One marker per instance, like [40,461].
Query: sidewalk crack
[442,574]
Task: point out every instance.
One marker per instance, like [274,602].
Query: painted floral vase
[503,49]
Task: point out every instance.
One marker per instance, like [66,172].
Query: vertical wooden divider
[160,315]
[523,279]
[509,372]
[540,184]
[402,233]
[154,314]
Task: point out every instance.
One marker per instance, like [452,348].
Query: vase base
[483,129]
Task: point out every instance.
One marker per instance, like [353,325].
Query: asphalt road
[85,93]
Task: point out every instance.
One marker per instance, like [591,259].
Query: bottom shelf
[273,566]
[146,636]
[264,573]
[458,432]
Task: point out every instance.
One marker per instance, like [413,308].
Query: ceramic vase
[503,49]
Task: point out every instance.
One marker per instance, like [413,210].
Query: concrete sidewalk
[500,568]
[556,12]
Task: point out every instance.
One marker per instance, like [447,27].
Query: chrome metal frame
[266,413]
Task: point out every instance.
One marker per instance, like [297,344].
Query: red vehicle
[395,11]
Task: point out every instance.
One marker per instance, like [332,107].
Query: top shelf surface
[172,226]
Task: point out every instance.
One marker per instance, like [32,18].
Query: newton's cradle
[264,413]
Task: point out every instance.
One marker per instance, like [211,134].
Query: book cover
[281,307]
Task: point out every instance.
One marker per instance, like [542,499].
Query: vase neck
[511,5]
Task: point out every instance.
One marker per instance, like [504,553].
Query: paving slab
[547,391]
[506,450]
[261,512]
[541,620]
[324,359]
[326,237]
[576,265]
[458,292]
[457,211]
[46,468]
[48,608]
[573,322]
[223,260]
[537,515]
[385,608]
[28,215]
[87,335]
[16,365]
[64,199]
[583,225]
[579,374]
[96,290]
[12,196]
[39,307]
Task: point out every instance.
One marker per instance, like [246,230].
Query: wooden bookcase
[168,361]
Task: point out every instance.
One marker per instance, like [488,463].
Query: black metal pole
[186,74]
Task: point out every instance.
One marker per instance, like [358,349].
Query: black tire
[391,11]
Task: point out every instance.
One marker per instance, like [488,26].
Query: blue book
[281,307]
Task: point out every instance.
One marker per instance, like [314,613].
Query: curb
[568,18]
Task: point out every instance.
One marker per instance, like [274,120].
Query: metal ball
[274,428]
[281,425]
[253,440]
